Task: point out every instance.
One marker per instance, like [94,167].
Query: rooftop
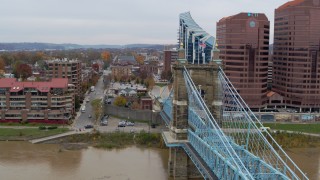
[126,58]
[16,86]
[290,3]
[64,60]
[194,27]
[119,86]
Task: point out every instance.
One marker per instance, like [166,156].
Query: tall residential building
[170,56]
[296,62]
[45,102]
[243,41]
[63,68]
[197,43]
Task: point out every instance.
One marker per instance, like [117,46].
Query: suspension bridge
[213,133]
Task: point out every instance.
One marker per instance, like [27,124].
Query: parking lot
[138,126]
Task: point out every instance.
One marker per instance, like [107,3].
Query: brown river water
[23,160]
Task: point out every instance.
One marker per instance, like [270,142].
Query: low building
[150,67]
[122,67]
[121,71]
[170,56]
[125,60]
[132,93]
[41,102]
[146,103]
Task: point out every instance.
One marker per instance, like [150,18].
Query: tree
[77,103]
[8,58]
[94,79]
[135,105]
[23,70]
[106,56]
[140,59]
[97,108]
[84,86]
[120,101]
[149,82]
[2,64]
[95,67]
[38,56]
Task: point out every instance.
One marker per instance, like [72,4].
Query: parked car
[89,126]
[122,124]
[104,123]
[129,123]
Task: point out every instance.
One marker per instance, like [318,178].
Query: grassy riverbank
[114,140]
[28,133]
[305,128]
[295,140]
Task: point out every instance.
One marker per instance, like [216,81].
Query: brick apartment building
[43,102]
[64,68]
[122,67]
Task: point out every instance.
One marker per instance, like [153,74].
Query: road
[83,118]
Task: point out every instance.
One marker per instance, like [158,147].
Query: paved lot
[113,127]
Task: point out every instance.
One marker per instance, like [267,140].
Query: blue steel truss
[237,148]
[166,112]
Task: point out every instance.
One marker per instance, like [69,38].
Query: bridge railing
[245,129]
[166,112]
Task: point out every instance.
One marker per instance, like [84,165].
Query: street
[82,118]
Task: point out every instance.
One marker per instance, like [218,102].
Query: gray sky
[115,21]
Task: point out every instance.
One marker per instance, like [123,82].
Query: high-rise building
[42,102]
[296,62]
[197,43]
[63,68]
[243,41]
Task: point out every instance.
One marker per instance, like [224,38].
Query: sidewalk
[35,141]
[297,132]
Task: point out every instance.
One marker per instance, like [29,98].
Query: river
[23,160]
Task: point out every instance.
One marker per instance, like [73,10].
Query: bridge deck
[204,168]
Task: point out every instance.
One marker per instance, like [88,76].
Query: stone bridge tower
[205,78]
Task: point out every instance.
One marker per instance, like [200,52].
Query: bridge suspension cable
[245,129]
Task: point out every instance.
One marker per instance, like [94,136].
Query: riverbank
[295,140]
[28,133]
[122,139]
[312,128]
[109,140]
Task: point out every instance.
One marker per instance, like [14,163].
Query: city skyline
[116,22]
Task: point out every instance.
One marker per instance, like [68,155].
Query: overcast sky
[115,21]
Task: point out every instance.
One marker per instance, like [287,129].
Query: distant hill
[50,46]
